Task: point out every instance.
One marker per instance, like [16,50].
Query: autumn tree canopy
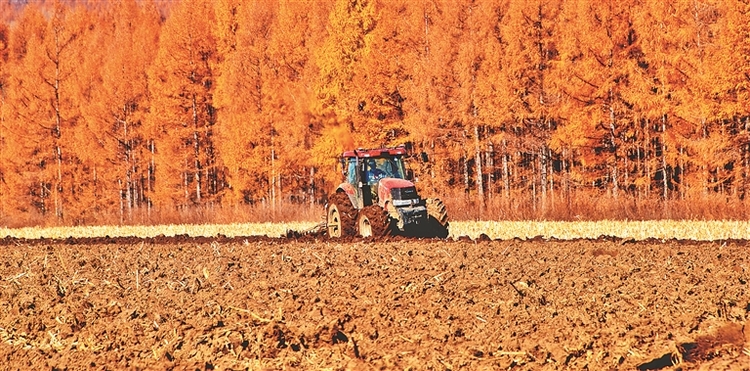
[527,109]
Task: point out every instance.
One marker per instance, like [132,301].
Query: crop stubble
[184,303]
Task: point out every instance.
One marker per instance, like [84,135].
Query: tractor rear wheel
[373,222]
[340,216]
[437,219]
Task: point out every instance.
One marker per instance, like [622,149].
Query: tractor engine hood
[397,190]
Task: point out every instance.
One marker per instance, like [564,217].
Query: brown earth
[260,303]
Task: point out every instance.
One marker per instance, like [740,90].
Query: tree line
[525,108]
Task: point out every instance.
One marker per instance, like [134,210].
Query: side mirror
[424,157]
[409,174]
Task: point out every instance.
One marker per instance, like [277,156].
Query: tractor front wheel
[340,216]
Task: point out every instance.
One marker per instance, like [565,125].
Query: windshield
[375,169]
[383,167]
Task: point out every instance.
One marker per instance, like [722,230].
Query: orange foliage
[527,109]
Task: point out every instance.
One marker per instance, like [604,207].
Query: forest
[147,111]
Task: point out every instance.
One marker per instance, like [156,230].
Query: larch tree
[405,29]
[243,98]
[89,186]
[401,104]
[182,115]
[469,57]
[671,55]
[410,29]
[476,69]
[492,93]
[600,66]
[43,111]
[25,191]
[119,103]
[231,101]
[296,32]
[338,102]
[430,95]
[732,62]
[531,30]
[700,98]
[263,98]
[379,79]
[649,93]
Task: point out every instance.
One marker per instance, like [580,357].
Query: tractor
[378,198]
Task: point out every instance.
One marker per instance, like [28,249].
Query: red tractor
[378,198]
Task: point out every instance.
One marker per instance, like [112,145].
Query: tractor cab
[371,170]
[365,168]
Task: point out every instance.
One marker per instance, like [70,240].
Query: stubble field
[275,303]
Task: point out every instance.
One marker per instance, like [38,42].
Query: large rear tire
[373,222]
[340,216]
[437,219]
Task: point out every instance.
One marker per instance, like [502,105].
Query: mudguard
[351,192]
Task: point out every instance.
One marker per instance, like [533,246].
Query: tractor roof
[375,152]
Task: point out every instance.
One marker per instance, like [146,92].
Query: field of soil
[260,303]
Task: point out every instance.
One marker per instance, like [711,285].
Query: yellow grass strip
[638,230]
[710,230]
[194,230]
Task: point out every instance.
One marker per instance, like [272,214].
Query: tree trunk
[466,168]
[533,189]
[665,181]
[478,161]
[151,175]
[638,157]
[506,173]
[185,180]
[551,176]
[312,186]
[466,174]
[197,152]
[566,179]
[272,178]
[58,130]
[42,198]
[543,178]
[614,175]
[625,174]
[122,201]
[490,163]
[59,185]
[647,159]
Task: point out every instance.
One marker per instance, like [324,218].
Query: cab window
[351,172]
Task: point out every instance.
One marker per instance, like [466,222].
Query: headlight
[398,203]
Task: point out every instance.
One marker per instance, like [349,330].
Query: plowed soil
[258,303]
